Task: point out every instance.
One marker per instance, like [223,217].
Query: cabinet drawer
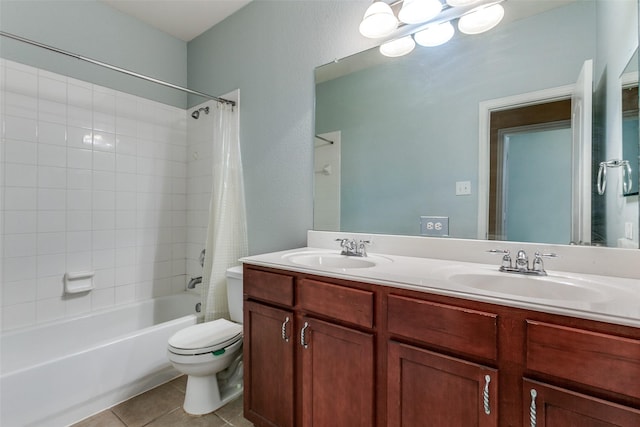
[265,286]
[338,302]
[460,329]
[600,360]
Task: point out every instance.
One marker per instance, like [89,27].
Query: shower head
[196,113]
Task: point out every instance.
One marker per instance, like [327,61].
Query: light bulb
[379,21]
[481,19]
[398,47]
[435,35]
[458,3]
[418,11]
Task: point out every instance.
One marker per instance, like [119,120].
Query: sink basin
[539,287]
[334,260]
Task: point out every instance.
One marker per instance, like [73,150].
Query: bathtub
[58,373]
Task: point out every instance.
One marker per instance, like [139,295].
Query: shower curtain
[227,230]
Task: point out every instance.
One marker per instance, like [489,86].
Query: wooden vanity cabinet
[425,386]
[309,356]
[322,352]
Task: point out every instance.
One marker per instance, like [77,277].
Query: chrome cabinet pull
[303,331]
[485,395]
[284,329]
[532,408]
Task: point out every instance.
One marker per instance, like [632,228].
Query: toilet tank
[234,293]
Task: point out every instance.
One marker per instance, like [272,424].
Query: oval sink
[539,287]
[334,260]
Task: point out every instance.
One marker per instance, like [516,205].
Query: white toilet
[210,354]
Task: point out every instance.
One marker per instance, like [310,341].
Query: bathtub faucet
[193,282]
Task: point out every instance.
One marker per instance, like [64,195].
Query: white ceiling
[183,19]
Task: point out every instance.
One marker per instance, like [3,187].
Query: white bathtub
[61,372]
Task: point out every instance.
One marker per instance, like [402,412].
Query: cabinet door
[337,375]
[431,389]
[548,406]
[269,365]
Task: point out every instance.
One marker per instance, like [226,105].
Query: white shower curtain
[227,230]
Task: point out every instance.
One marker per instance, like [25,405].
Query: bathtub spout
[193,282]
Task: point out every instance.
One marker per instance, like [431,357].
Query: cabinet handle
[485,395]
[532,408]
[284,329]
[303,331]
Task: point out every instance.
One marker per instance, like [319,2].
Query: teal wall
[91,28]
[269,49]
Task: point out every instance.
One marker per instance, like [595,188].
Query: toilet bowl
[210,354]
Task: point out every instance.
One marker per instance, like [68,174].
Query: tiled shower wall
[92,180]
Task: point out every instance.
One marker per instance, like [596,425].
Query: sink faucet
[522,262]
[352,247]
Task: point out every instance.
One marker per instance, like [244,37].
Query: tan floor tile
[232,413]
[180,383]
[179,418]
[148,406]
[102,419]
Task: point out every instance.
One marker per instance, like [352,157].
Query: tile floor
[162,407]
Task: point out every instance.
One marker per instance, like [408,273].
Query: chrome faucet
[352,247]
[522,262]
[193,282]
[197,280]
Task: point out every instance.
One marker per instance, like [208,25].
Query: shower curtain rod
[113,67]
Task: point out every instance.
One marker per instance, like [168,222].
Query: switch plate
[435,226]
[463,188]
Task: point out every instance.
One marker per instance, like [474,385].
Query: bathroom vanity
[378,346]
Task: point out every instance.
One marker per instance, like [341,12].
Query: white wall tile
[52,155]
[52,199]
[17,175]
[20,222]
[51,221]
[52,133]
[79,158]
[89,178]
[20,245]
[21,152]
[52,177]
[20,128]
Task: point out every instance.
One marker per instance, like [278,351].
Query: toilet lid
[205,337]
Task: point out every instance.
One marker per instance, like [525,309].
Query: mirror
[630,135]
[398,139]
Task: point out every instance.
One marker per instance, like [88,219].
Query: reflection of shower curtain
[227,230]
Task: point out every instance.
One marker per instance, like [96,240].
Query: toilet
[210,354]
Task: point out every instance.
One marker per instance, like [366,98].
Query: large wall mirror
[450,131]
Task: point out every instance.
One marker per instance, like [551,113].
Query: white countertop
[617,299]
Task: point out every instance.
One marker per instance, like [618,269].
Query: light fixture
[418,11]
[481,19]
[379,21]
[461,3]
[426,22]
[435,35]
[398,47]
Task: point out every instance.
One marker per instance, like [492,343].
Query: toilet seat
[205,337]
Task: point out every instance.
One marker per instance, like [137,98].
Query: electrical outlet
[463,188]
[435,226]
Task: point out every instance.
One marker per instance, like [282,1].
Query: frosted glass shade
[398,47]
[418,11]
[379,21]
[458,3]
[435,35]
[481,19]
